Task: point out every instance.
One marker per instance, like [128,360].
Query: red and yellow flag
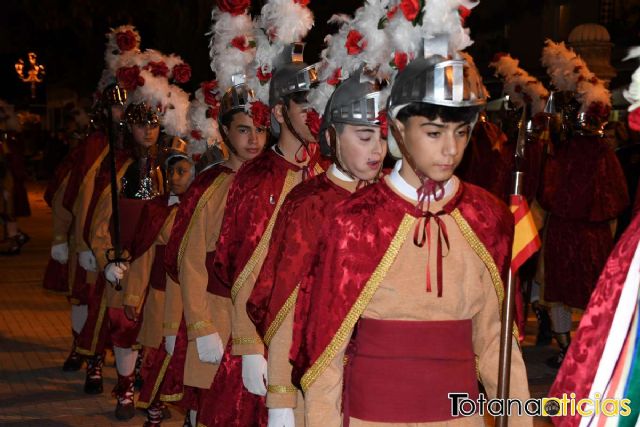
[526,240]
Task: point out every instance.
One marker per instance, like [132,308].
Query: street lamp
[35,74]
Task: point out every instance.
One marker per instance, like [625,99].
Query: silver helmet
[355,101]
[290,75]
[237,98]
[435,80]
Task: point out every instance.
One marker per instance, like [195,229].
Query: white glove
[254,373]
[170,344]
[281,417]
[60,252]
[210,348]
[88,261]
[115,271]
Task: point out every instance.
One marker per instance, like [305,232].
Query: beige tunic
[468,293]
[137,287]
[281,392]
[204,312]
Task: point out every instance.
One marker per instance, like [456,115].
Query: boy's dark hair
[297,97]
[227,118]
[432,112]
[172,161]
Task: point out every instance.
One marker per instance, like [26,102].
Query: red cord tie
[436,190]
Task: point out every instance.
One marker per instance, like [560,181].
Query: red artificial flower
[234,7]
[634,120]
[499,56]
[213,111]
[599,110]
[263,77]
[181,72]
[355,42]
[196,134]
[261,114]
[241,43]
[577,69]
[400,60]
[518,88]
[392,12]
[464,14]
[302,2]
[129,77]
[593,80]
[335,78]
[209,91]
[384,124]
[410,9]
[313,123]
[157,68]
[527,98]
[126,40]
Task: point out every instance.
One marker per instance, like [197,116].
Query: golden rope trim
[344,332]
[246,340]
[282,314]
[159,380]
[318,169]
[171,397]
[282,389]
[482,252]
[258,254]
[198,325]
[171,325]
[196,213]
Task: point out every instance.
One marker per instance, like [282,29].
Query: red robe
[579,367]
[88,153]
[352,247]
[293,243]
[584,189]
[250,204]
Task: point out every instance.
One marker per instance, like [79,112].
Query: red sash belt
[215,285]
[402,371]
[158,277]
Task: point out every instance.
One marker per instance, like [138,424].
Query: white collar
[408,190]
[335,171]
[173,200]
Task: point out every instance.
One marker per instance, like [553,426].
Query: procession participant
[152,101]
[602,361]
[584,190]
[351,135]
[437,324]
[144,292]
[123,43]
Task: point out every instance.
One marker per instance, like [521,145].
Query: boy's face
[145,135]
[247,139]
[297,112]
[435,146]
[180,176]
[362,150]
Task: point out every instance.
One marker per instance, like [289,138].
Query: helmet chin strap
[227,141]
[303,143]
[337,160]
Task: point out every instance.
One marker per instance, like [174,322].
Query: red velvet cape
[154,214]
[66,167]
[584,188]
[188,202]
[293,243]
[88,154]
[579,367]
[352,246]
[252,199]
[102,181]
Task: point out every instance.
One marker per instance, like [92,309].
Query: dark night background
[68,35]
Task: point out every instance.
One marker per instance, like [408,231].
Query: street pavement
[35,337]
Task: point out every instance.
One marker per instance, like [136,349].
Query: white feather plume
[226,60]
[518,83]
[286,20]
[632,93]
[569,72]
